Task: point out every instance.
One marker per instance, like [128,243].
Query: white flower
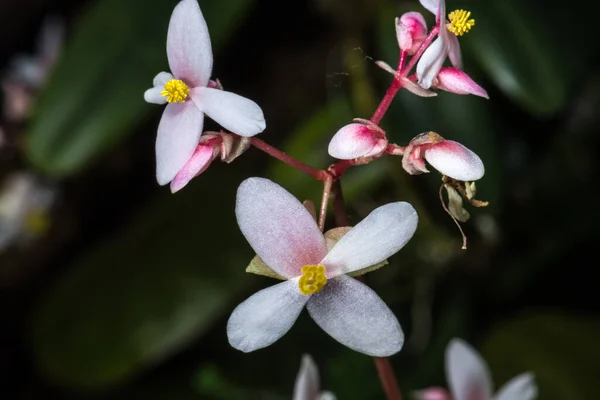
[446,45]
[187,91]
[469,378]
[285,236]
[307,385]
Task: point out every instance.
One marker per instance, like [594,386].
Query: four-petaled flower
[285,236]
[188,91]
[469,379]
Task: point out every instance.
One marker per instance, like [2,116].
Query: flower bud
[207,150]
[411,31]
[434,393]
[456,81]
[357,140]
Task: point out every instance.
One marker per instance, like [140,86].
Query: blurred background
[112,288]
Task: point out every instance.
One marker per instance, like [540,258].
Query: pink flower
[446,45]
[357,140]
[411,31]
[456,81]
[205,153]
[469,377]
[447,156]
[307,385]
[285,236]
[187,91]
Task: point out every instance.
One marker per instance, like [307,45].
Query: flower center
[175,91]
[312,279]
[460,22]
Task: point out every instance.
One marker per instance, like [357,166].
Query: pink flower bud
[456,81]
[357,140]
[206,151]
[455,161]
[434,393]
[411,31]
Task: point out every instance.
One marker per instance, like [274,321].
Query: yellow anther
[312,280]
[175,91]
[36,222]
[460,22]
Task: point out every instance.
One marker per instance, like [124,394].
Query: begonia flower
[286,237]
[469,377]
[189,95]
[357,140]
[447,156]
[446,44]
[307,386]
[411,31]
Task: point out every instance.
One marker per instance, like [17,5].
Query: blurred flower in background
[308,386]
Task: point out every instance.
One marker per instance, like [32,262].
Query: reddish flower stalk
[292,162]
[387,378]
[421,50]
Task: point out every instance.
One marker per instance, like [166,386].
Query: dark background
[127,293]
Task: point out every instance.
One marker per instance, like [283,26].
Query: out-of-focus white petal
[265,316]
[278,227]
[161,78]
[235,113]
[455,160]
[355,140]
[153,95]
[326,395]
[454,53]
[179,131]
[456,81]
[197,164]
[307,381]
[381,234]
[431,5]
[188,44]
[434,393]
[521,387]
[431,62]
[354,315]
[467,373]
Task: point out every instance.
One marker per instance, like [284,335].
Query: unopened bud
[411,31]
[357,140]
[456,81]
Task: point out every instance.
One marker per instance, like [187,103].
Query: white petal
[161,78]
[278,227]
[307,381]
[188,44]
[431,62]
[153,95]
[381,234]
[265,316]
[467,373]
[454,51]
[179,131]
[431,5]
[235,113]
[354,315]
[353,141]
[326,395]
[455,160]
[522,387]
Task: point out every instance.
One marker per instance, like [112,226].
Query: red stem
[292,162]
[387,378]
[390,93]
[420,51]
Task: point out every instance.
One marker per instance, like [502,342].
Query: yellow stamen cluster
[175,91]
[312,280]
[36,222]
[460,22]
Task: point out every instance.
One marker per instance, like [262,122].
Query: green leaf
[560,349]
[95,95]
[146,292]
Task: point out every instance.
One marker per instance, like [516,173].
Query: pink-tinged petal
[416,89]
[386,67]
[467,373]
[356,140]
[235,113]
[411,30]
[265,316]
[454,53]
[456,81]
[522,387]
[434,393]
[412,162]
[188,44]
[307,381]
[354,315]
[431,5]
[431,62]
[179,131]
[278,227]
[455,160]
[161,78]
[380,235]
[154,95]
[197,164]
